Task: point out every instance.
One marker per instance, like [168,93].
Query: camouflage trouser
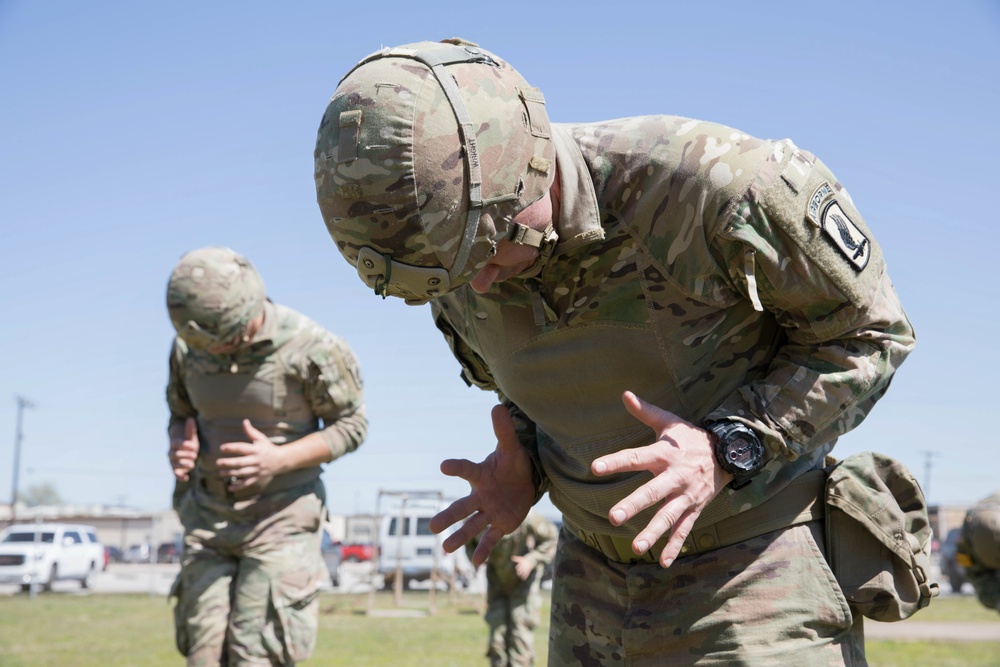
[512,614]
[771,600]
[247,591]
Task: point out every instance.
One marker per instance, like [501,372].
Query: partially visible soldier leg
[201,615]
[588,607]
[771,600]
[498,619]
[524,614]
[275,602]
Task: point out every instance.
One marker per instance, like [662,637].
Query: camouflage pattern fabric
[716,275]
[879,537]
[513,605]
[376,191]
[771,600]
[687,258]
[690,271]
[247,590]
[246,593]
[212,295]
[293,379]
[979,549]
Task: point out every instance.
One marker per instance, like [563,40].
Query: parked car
[332,556]
[138,553]
[407,547]
[952,571]
[354,553]
[113,555]
[42,553]
[168,552]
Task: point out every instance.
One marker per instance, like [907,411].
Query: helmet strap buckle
[545,240]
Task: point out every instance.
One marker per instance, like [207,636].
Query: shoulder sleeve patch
[846,236]
[824,211]
[819,216]
[822,193]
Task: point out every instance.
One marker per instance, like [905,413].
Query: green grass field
[136,630]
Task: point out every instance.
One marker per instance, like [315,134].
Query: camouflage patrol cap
[424,156]
[212,296]
[981,533]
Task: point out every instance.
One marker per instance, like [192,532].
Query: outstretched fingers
[466,532]
[647,495]
[678,534]
[453,513]
[503,429]
[252,432]
[190,429]
[489,540]
[651,415]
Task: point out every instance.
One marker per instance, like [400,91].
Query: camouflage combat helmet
[424,156]
[212,296]
[981,533]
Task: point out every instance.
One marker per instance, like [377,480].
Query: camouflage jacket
[293,379]
[715,275]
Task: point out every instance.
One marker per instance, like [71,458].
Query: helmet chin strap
[545,240]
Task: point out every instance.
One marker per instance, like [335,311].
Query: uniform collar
[269,329]
[579,218]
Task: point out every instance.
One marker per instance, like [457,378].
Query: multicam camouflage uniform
[715,275]
[513,604]
[701,269]
[246,593]
[979,549]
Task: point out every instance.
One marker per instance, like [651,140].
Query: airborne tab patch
[822,193]
[846,236]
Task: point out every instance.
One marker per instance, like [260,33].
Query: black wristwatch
[738,450]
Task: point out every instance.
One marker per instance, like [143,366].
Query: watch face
[743,454]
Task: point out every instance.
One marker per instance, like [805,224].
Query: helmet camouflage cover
[425,154]
[981,532]
[212,296]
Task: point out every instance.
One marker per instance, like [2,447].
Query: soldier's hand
[184,451]
[523,567]
[686,477]
[253,463]
[502,492]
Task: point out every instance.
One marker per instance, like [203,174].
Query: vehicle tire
[53,575]
[353,559]
[25,588]
[85,582]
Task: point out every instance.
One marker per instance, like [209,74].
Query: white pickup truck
[41,553]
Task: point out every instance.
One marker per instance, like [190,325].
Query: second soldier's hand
[502,492]
[686,477]
[184,450]
[253,463]
[523,567]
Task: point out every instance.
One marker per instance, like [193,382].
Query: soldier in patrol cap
[260,397]
[679,321]
[979,549]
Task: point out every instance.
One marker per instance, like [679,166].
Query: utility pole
[22,404]
[928,464]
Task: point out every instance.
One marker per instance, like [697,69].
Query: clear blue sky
[134,131]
